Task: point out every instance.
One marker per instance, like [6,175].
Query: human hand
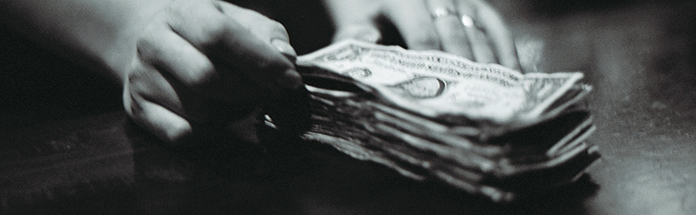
[205,63]
[469,28]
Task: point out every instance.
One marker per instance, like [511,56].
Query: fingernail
[291,80]
[285,48]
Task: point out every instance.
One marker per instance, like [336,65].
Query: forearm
[96,33]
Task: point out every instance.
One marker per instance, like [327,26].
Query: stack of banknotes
[482,128]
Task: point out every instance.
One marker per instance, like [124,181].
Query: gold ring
[443,11]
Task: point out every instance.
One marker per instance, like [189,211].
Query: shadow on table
[105,164]
[62,152]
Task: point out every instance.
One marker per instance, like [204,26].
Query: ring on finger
[471,24]
[442,12]
[468,21]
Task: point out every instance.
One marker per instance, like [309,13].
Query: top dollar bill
[443,86]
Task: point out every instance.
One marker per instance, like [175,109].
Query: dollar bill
[481,128]
[439,85]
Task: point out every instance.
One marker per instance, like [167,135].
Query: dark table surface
[66,147]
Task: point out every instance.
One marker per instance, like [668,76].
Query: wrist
[99,34]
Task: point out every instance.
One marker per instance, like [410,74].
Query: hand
[205,63]
[468,28]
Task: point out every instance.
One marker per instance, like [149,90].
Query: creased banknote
[440,85]
[428,115]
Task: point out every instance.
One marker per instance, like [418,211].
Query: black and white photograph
[348,107]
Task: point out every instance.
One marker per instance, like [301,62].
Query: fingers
[206,63]
[156,119]
[452,33]
[480,46]
[414,24]
[468,28]
[262,27]
[355,19]
[500,37]
[227,42]
[289,110]
[152,86]
[160,104]
[172,56]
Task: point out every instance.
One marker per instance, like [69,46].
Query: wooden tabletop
[66,147]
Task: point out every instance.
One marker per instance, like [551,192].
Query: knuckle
[180,8]
[200,24]
[199,76]
[213,32]
[277,29]
[218,25]
[145,47]
[136,77]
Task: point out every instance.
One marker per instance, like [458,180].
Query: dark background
[67,147]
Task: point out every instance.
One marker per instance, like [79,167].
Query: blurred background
[582,35]
[640,56]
